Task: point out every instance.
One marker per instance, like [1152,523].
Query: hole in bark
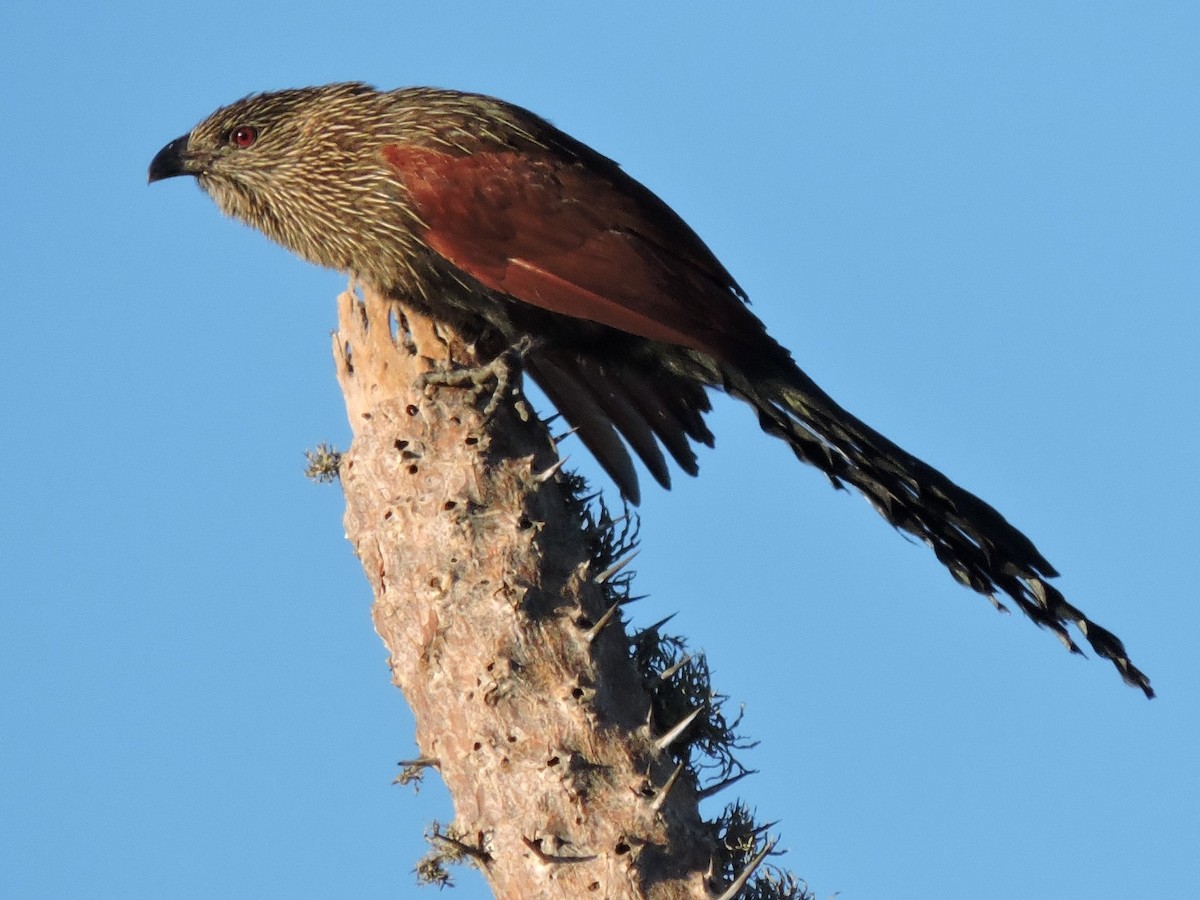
[622,848]
[491,666]
[449,505]
[552,762]
[388,514]
[434,582]
[410,409]
[472,440]
[477,745]
[512,738]
[400,445]
[524,523]
[594,886]
[577,693]
[366,416]
[412,470]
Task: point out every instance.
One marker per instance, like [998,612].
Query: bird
[485,216]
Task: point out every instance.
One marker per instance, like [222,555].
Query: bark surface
[486,597]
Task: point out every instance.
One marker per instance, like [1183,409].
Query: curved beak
[170,161]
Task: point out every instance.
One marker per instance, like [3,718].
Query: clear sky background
[978,229]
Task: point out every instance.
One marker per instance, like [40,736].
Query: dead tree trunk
[500,628]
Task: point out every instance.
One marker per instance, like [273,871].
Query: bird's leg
[502,369]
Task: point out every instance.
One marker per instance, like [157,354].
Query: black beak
[170,161]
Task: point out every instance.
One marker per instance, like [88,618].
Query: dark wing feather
[567,389]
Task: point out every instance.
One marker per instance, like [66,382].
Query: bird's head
[303,166]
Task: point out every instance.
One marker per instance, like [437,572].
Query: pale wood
[483,597]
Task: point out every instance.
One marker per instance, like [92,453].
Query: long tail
[971,539]
[614,404]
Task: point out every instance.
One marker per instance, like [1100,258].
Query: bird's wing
[553,233]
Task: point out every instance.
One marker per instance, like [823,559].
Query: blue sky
[977,229]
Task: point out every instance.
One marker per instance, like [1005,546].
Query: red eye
[243,136]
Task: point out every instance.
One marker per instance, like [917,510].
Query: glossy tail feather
[975,543]
[612,407]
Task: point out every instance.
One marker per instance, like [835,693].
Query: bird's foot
[503,371]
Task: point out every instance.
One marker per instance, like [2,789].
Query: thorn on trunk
[476,853]
[738,883]
[414,770]
[764,828]
[536,847]
[615,567]
[594,631]
[421,762]
[661,798]
[666,674]
[721,785]
[559,438]
[673,735]
[657,625]
[550,471]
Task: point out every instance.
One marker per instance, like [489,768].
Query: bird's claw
[502,370]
